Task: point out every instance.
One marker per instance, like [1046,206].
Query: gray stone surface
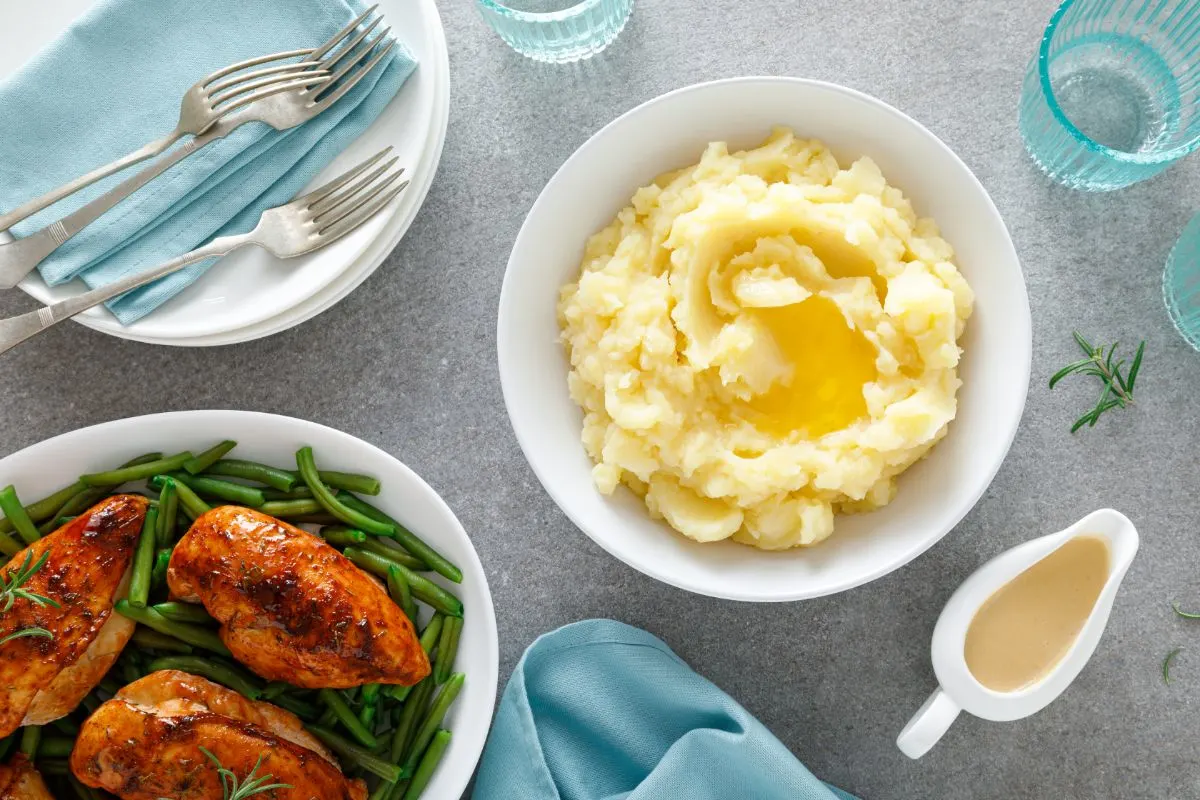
[408,362]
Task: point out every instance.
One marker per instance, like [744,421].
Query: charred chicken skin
[20,781]
[144,744]
[291,607]
[44,678]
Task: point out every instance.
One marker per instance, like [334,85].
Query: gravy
[1026,627]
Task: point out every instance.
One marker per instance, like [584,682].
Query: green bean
[402,594]
[370,706]
[162,561]
[383,791]
[225,674]
[31,737]
[410,718]
[222,490]
[13,510]
[168,510]
[320,518]
[350,481]
[129,669]
[116,477]
[398,693]
[143,561]
[81,791]
[334,701]
[185,612]
[108,685]
[427,765]
[298,707]
[285,509]
[356,755]
[204,638]
[82,501]
[340,536]
[56,767]
[274,689]
[432,721]
[55,747]
[280,479]
[9,547]
[325,496]
[447,649]
[387,547]
[299,493]
[188,499]
[327,717]
[7,744]
[422,588]
[65,725]
[410,541]
[209,457]
[47,507]
[432,632]
[152,639]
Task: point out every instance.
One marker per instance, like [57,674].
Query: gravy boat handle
[929,724]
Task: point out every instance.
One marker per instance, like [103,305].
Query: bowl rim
[486,612]
[1022,324]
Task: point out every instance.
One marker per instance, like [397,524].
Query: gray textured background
[408,362]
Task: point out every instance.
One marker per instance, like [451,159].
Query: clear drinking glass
[1181,283]
[557,31]
[1113,95]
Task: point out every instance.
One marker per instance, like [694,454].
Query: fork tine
[359,56]
[351,45]
[254,62]
[327,205]
[352,81]
[296,66]
[350,204]
[226,107]
[227,94]
[325,190]
[320,52]
[344,226]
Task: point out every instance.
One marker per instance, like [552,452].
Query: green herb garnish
[233,789]
[12,584]
[1167,665]
[1184,614]
[1118,388]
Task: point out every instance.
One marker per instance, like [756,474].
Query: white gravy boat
[958,689]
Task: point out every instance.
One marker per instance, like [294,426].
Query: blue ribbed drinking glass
[1113,95]
[1181,283]
[557,31]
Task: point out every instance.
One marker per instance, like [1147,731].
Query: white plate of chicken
[226,604]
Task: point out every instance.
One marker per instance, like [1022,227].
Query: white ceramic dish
[958,690]
[45,467]
[670,132]
[251,291]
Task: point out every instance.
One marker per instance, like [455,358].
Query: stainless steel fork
[346,60]
[307,223]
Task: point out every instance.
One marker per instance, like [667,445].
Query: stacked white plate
[251,294]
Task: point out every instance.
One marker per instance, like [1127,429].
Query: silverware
[282,110]
[202,105]
[307,223]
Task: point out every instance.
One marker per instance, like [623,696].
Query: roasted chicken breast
[144,744]
[19,780]
[291,607]
[43,678]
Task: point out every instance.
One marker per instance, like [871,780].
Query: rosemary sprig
[233,789]
[12,584]
[1166,668]
[1117,388]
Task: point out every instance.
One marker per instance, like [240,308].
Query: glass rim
[500,8]
[1125,156]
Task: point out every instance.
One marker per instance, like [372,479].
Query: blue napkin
[113,82]
[602,711]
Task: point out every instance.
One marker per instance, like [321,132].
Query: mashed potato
[763,340]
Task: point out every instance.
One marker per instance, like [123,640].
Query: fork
[202,105]
[282,110]
[307,223]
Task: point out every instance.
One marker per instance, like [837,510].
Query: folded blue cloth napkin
[602,711]
[113,81]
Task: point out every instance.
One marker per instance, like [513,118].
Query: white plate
[672,131]
[250,287]
[45,467]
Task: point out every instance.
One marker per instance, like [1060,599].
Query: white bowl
[45,467]
[670,132]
